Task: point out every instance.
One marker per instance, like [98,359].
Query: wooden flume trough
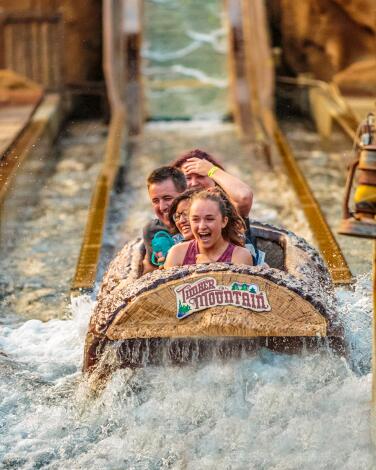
[196,312]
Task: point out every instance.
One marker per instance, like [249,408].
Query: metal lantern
[361,221]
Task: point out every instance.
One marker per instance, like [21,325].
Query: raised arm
[239,192]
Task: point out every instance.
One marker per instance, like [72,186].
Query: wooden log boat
[197,312]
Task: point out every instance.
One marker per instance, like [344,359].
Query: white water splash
[216,38]
[355,314]
[167,56]
[271,410]
[199,75]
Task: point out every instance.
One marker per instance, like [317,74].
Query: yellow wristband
[212,170]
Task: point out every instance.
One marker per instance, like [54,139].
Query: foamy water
[308,410]
[268,411]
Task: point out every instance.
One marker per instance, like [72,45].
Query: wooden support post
[113,66]
[133,42]
[239,84]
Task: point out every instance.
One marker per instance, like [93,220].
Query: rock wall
[82,33]
[327,37]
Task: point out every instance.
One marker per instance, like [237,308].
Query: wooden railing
[251,68]
[252,88]
[32,45]
[114,63]
[133,12]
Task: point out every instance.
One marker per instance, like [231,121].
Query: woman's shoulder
[242,255]
[180,247]
[240,249]
[176,254]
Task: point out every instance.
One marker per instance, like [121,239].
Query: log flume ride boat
[191,313]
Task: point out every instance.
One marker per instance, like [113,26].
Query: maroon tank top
[192,252]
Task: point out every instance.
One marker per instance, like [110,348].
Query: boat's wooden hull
[218,310]
[111,355]
[274,311]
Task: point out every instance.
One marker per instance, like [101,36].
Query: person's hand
[202,259]
[160,258]
[198,166]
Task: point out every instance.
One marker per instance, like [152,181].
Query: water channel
[269,411]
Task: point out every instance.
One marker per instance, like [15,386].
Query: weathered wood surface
[18,100]
[17,89]
[12,120]
[306,278]
[153,314]
[300,259]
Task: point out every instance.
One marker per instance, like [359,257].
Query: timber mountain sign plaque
[206,293]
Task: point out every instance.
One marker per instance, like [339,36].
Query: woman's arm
[175,256]
[238,191]
[242,256]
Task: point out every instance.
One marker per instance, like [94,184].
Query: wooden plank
[32,46]
[38,126]
[87,264]
[19,98]
[153,314]
[239,84]
[9,131]
[2,42]
[30,17]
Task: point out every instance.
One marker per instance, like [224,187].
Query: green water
[185,64]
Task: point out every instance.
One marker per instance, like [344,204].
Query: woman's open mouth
[204,236]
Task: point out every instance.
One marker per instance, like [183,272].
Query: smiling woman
[179,214]
[218,233]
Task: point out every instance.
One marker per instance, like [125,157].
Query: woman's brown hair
[235,228]
[196,153]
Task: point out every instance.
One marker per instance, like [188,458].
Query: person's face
[197,181]
[181,218]
[206,222]
[161,196]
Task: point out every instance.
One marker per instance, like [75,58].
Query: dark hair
[182,197]
[196,153]
[235,228]
[168,172]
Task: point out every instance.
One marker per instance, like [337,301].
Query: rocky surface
[358,78]
[326,37]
